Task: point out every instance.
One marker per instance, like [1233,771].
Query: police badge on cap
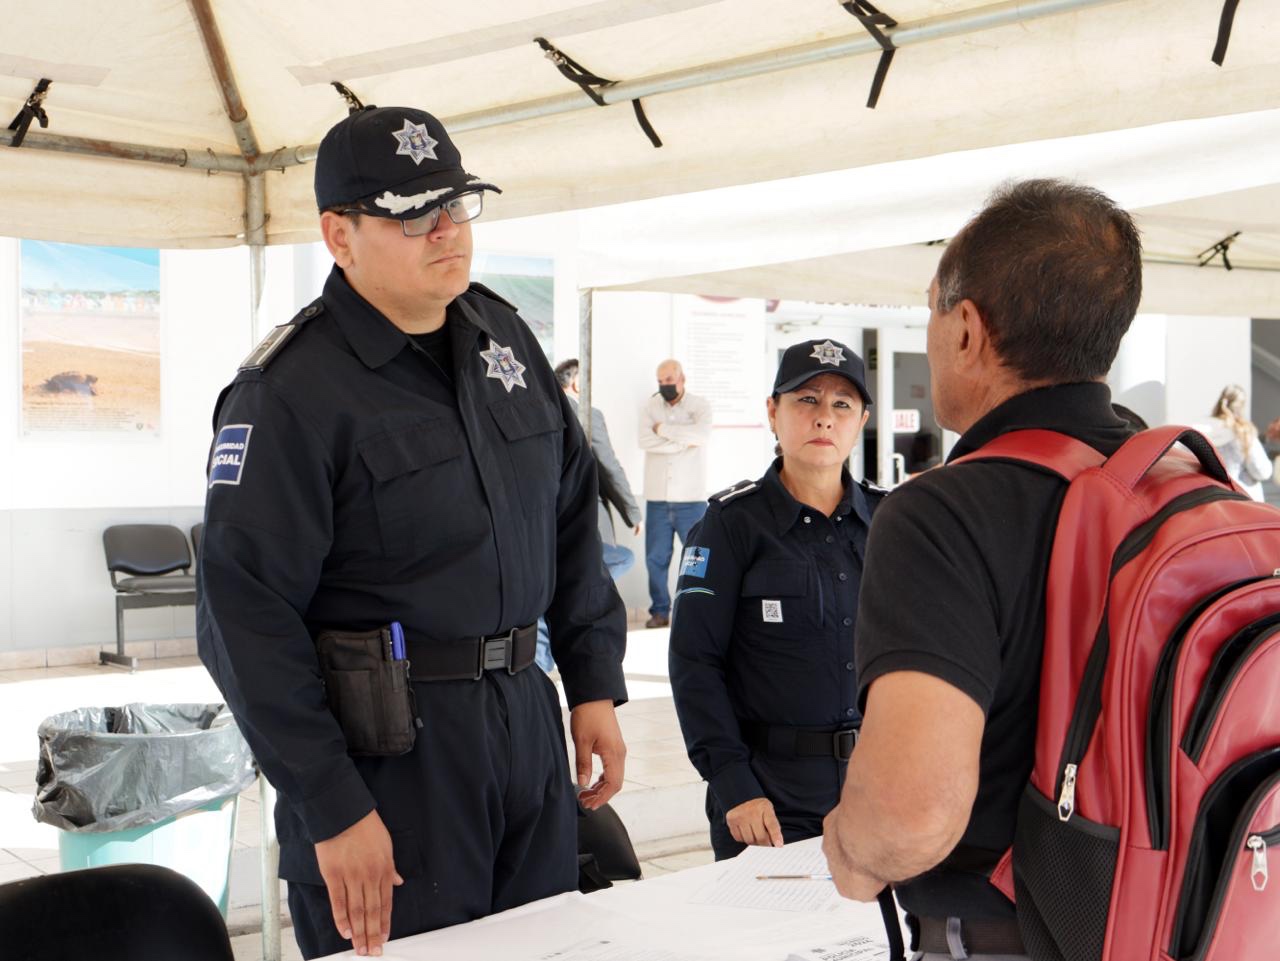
[803,362]
[394,162]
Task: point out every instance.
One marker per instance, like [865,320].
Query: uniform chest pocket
[534,431]
[413,469]
[781,606]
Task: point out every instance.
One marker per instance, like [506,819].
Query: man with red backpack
[1027,311]
[1080,713]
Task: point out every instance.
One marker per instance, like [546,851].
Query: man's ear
[974,349]
[336,231]
[770,409]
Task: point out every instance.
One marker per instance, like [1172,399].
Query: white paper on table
[739,886]
[850,949]
[609,949]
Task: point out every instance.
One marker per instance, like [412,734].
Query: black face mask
[668,392]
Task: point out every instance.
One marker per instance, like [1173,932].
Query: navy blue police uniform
[761,650]
[359,477]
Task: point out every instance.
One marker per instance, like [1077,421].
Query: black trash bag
[113,768]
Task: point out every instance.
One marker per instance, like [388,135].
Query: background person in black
[1027,311]
[761,655]
[408,456]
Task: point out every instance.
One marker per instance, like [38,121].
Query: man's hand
[754,822]
[359,872]
[656,426]
[636,530]
[850,882]
[594,727]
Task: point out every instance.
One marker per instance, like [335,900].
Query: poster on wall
[527,282]
[721,343]
[90,339]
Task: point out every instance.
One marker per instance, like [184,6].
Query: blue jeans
[618,560]
[662,519]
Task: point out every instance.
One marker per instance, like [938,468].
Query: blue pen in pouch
[397,641]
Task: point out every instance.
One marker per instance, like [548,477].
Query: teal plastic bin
[145,784]
[198,844]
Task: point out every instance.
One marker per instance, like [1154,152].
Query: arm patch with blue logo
[229,452]
[694,562]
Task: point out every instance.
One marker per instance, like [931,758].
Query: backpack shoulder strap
[1047,449]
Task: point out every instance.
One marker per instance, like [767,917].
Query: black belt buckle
[495,652]
[843,742]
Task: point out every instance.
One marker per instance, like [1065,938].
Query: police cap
[395,162]
[803,362]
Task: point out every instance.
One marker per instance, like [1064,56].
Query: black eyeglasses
[460,209]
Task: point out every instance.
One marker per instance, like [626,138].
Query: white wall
[58,493]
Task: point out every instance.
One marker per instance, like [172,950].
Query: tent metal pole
[220,64]
[209,160]
[584,360]
[255,235]
[938,28]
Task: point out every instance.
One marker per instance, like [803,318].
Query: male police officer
[400,461]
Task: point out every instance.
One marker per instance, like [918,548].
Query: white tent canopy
[969,74]
[828,238]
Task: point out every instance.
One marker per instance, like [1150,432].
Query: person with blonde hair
[1236,439]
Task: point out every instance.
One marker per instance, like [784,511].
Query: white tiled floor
[661,803]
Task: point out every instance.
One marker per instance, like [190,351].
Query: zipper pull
[1067,800]
[1258,874]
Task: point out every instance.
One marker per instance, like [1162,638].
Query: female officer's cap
[803,362]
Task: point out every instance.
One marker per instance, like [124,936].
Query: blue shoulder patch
[226,466]
[694,562]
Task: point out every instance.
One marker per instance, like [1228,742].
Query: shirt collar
[1062,407]
[374,338]
[787,510]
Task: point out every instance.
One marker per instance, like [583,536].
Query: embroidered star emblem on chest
[828,353]
[503,366]
[415,142]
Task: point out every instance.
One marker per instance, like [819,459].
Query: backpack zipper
[1160,710]
[1084,717]
[1215,689]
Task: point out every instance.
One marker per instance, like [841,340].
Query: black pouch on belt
[368,691]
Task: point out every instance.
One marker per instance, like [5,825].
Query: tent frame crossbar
[252,162]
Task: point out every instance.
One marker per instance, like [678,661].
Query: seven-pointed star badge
[503,366]
[828,353]
[415,142]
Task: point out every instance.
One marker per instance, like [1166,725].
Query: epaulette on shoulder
[486,292]
[270,346]
[740,489]
[871,488]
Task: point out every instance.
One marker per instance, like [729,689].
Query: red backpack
[1150,829]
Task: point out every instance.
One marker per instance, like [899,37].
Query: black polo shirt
[762,627]
[955,587]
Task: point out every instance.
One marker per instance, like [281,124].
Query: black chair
[197,535]
[151,554]
[123,912]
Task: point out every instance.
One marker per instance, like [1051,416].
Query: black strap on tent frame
[874,20]
[353,102]
[1219,249]
[1224,30]
[33,109]
[589,82]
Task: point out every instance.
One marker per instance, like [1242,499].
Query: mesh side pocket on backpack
[1062,874]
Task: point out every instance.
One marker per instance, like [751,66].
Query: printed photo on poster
[527,282]
[90,330]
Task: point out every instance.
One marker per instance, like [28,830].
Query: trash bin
[145,783]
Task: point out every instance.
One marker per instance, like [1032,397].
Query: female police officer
[762,638]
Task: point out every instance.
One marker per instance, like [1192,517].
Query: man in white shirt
[675,428]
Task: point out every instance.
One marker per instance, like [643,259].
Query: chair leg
[119,658]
